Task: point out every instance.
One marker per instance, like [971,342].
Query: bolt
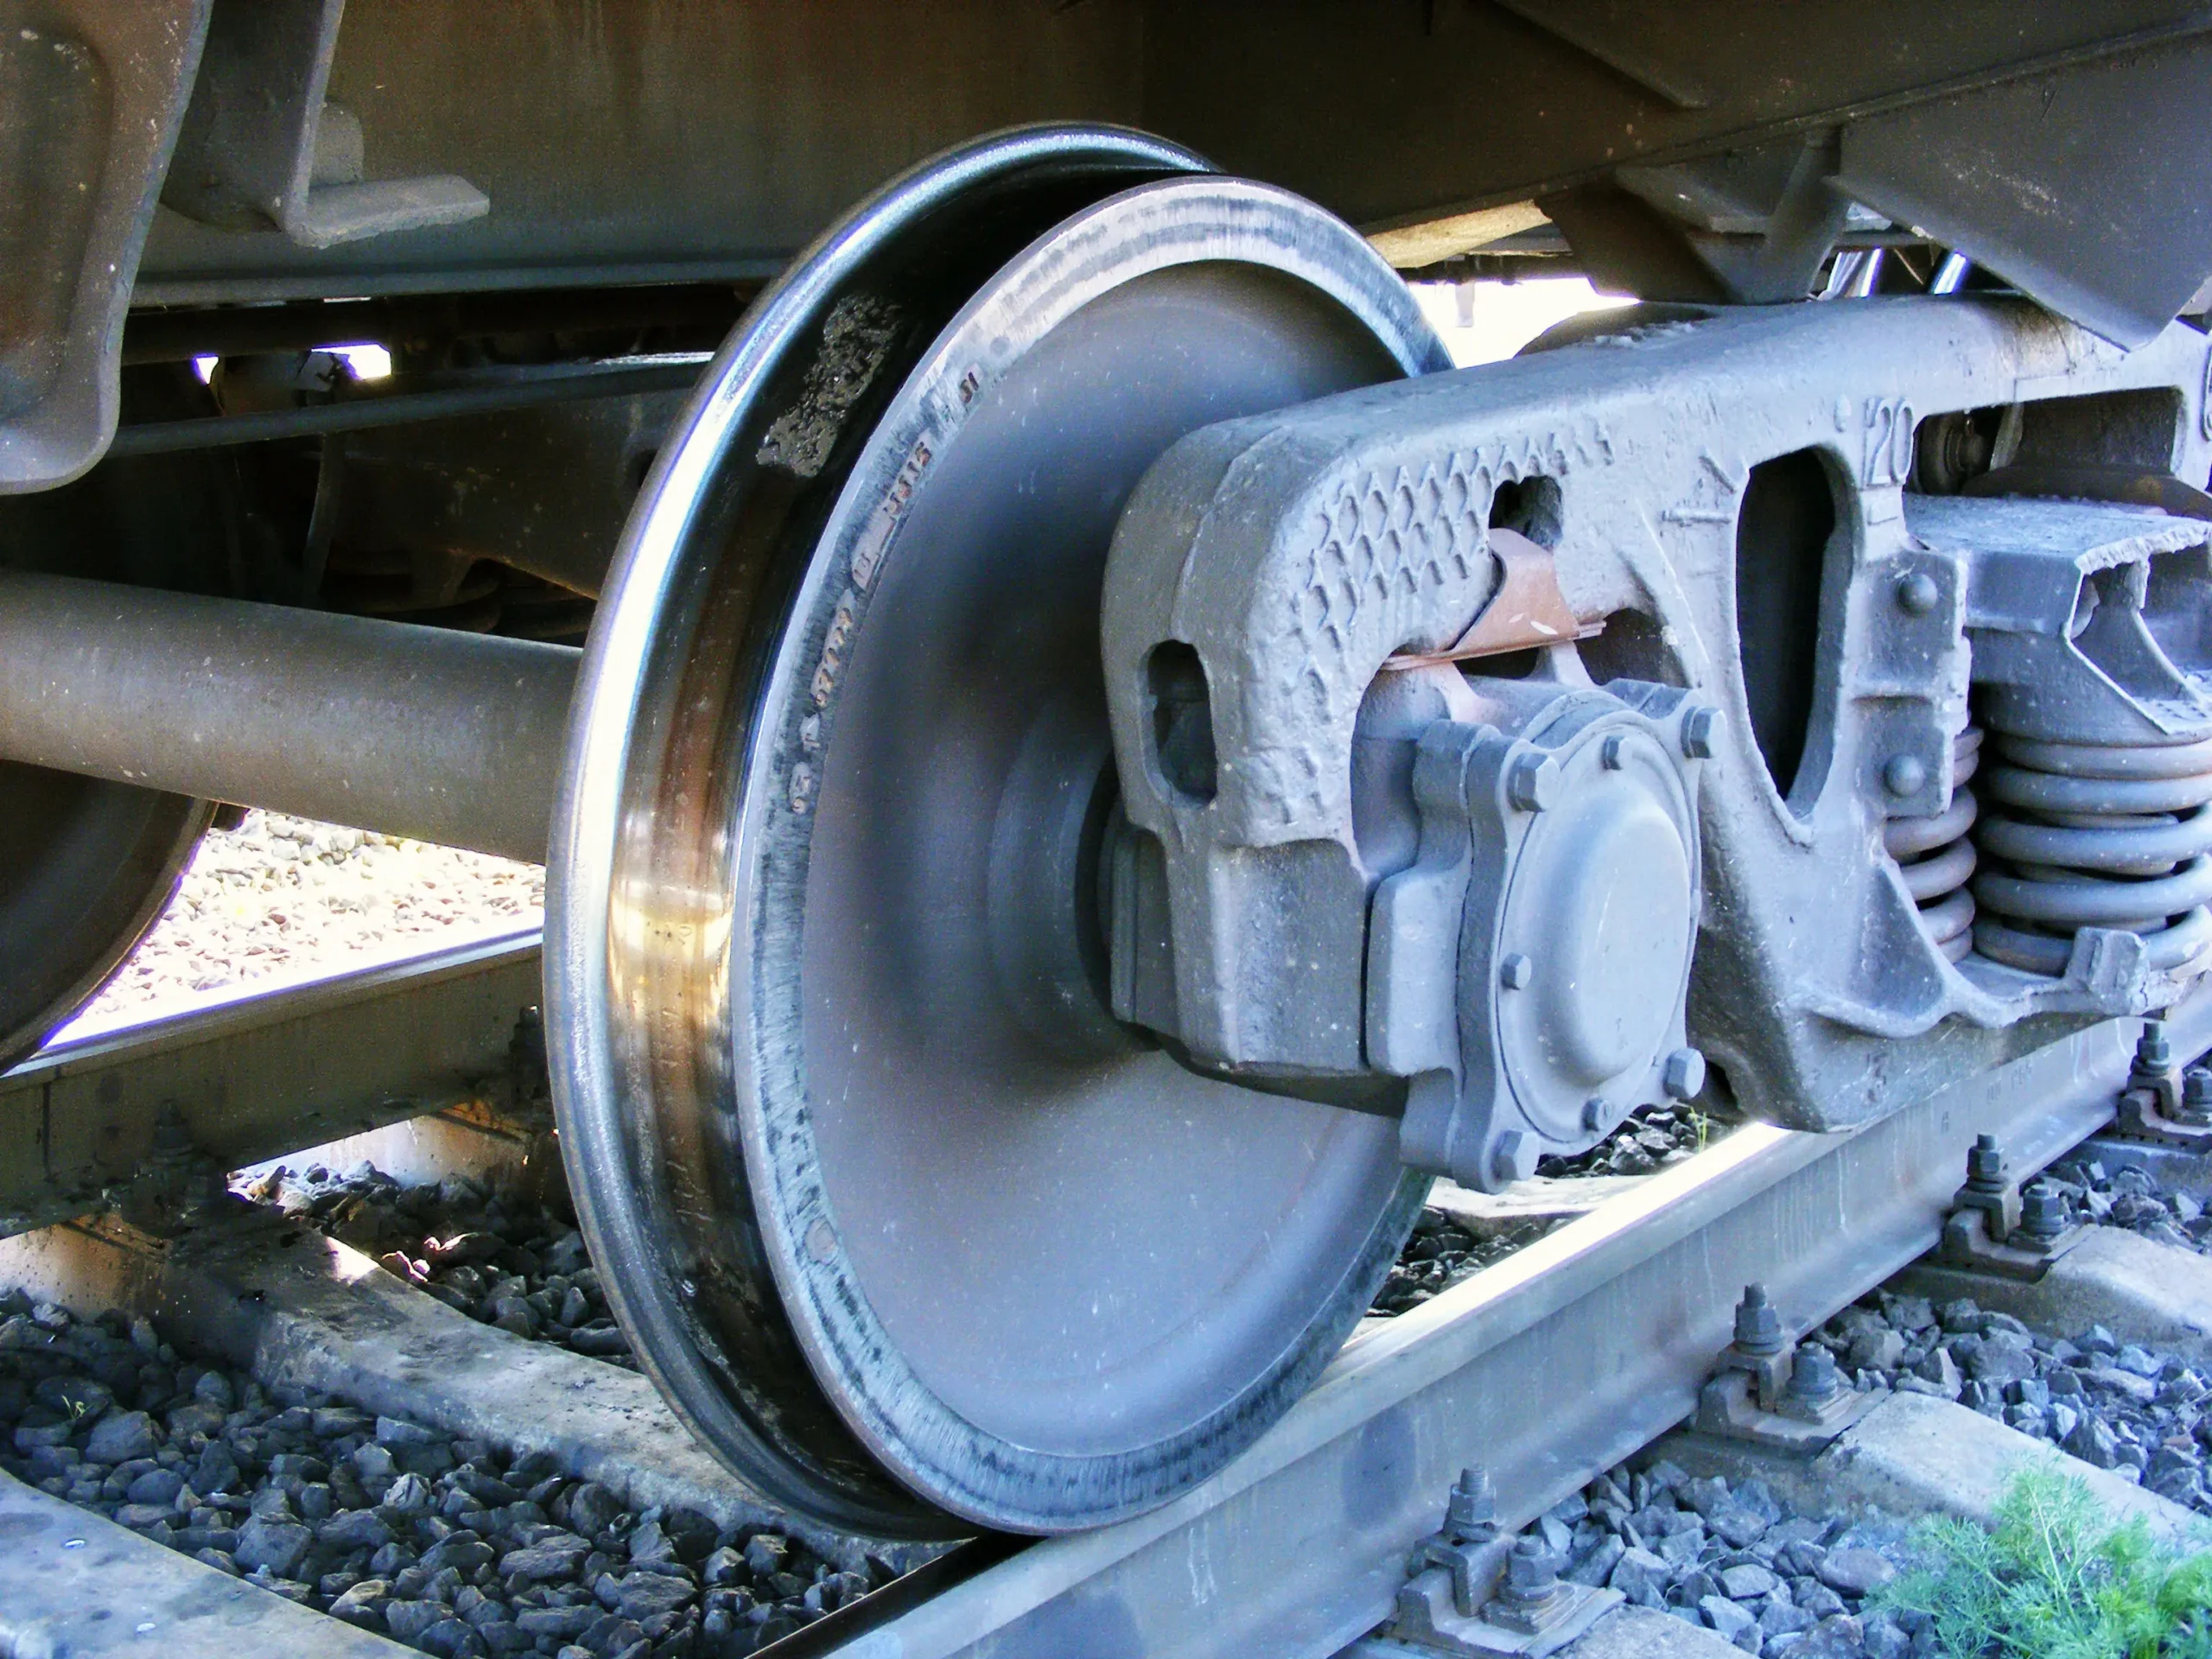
[1697,733]
[2153,1054]
[2042,1212]
[1516,1157]
[1595,1113]
[1683,1074]
[1473,1504]
[1516,971]
[1531,1571]
[1916,593]
[1758,1329]
[2196,1095]
[1813,1375]
[1903,775]
[172,1135]
[1986,1165]
[1532,782]
[1612,751]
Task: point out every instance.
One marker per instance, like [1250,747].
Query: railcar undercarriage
[1100,763]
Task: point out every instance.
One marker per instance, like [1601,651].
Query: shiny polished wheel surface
[912,1234]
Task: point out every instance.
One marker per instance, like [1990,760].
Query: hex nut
[1683,1074]
[1515,1159]
[1697,732]
[1532,783]
[1595,1113]
[1758,1327]
[1613,752]
[1516,971]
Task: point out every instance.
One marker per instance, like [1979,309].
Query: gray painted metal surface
[95,92]
[1979,170]
[81,1587]
[414,731]
[1696,467]
[262,145]
[654,142]
[1546,1368]
[261,1075]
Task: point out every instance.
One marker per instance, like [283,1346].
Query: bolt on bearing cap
[1533,783]
[1683,1075]
[1514,1159]
[1697,732]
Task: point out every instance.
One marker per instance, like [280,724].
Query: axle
[442,737]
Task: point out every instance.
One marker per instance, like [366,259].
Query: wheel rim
[879,1186]
[88,866]
[86,869]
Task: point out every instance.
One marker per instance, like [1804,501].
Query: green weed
[2056,1579]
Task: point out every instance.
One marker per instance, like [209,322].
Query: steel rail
[262,1074]
[1551,1366]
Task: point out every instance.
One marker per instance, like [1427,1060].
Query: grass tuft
[2056,1579]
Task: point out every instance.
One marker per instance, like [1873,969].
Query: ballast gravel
[286,897]
[2121,1196]
[1738,1560]
[1790,1585]
[1656,1138]
[2145,1416]
[1440,1253]
[441,1541]
[493,1254]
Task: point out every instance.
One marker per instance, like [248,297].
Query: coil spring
[438,589]
[476,596]
[2095,835]
[1936,858]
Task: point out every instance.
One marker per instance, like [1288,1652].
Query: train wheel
[912,1232]
[86,869]
[88,866]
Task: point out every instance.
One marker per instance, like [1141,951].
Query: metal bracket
[2161,1105]
[1476,1594]
[179,1183]
[1770,1392]
[1527,612]
[261,144]
[1428,1620]
[1997,1227]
